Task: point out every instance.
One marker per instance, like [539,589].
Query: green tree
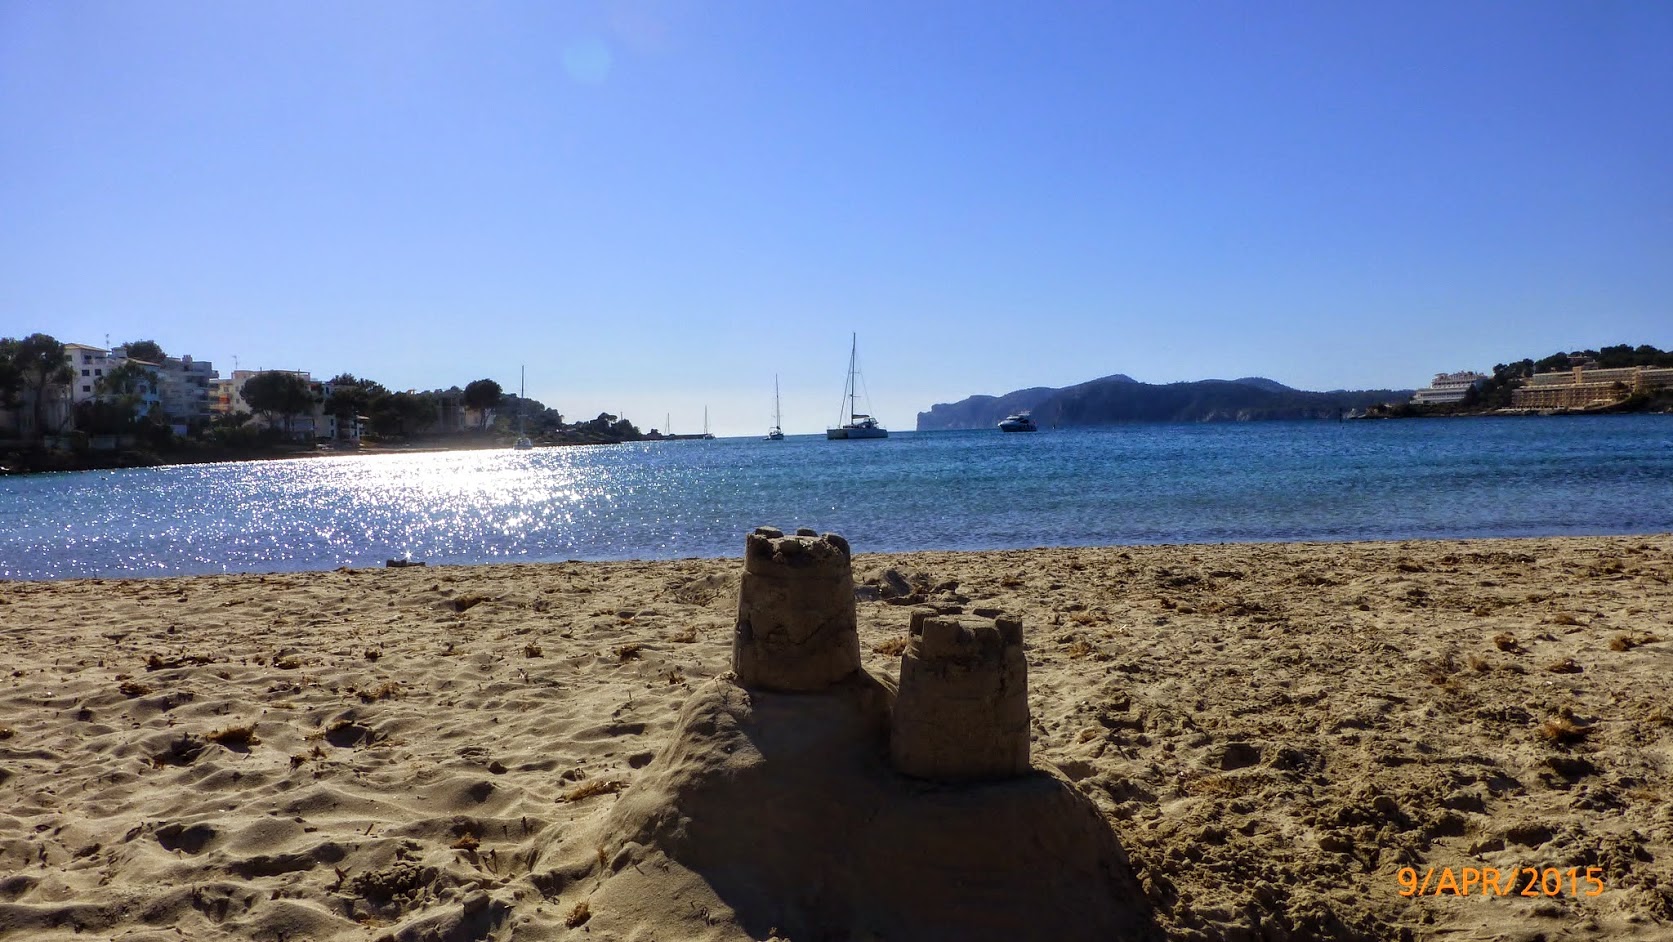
[1552,363]
[351,396]
[402,413]
[1647,355]
[148,350]
[536,416]
[120,393]
[42,362]
[277,393]
[483,395]
[129,379]
[104,417]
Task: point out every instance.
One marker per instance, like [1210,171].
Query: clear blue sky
[657,206]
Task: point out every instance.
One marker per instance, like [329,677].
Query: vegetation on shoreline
[122,425]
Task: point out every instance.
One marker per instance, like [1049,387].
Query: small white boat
[859,424]
[1019,422]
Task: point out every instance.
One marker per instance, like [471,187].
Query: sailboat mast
[853,366]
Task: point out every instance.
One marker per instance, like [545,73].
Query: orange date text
[1492,881]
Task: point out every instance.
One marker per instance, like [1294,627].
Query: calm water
[934,490]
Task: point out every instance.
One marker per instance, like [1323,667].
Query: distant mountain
[1120,398]
[1261,382]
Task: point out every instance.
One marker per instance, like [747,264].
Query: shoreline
[419,563]
[1271,730]
[56,461]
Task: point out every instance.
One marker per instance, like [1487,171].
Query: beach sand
[1272,731]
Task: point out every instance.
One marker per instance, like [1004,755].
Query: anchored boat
[859,424]
[1019,422]
[523,443]
[776,433]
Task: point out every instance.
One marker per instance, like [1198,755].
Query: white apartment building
[185,390]
[179,386]
[89,364]
[1448,387]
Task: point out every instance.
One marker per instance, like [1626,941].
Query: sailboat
[704,435]
[859,424]
[777,433]
[522,443]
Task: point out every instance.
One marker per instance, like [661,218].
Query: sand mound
[780,814]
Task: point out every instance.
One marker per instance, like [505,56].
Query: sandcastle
[962,709]
[796,629]
[779,778]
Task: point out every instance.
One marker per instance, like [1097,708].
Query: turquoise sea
[931,490]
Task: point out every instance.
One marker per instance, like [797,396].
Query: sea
[948,490]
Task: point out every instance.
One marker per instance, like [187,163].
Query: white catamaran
[859,424]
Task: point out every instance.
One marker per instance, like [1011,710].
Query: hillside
[1119,398]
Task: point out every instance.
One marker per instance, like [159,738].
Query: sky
[657,207]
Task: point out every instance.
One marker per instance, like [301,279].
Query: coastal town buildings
[94,398]
[178,386]
[226,397]
[1580,387]
[1448,387]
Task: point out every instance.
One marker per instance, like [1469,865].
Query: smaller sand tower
[796,629]
[962,711]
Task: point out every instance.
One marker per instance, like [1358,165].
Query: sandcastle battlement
[767,549]
[962,710]
[796,629]
[953,639]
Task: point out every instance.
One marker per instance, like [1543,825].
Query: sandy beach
[1273,732]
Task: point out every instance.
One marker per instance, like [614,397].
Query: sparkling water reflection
[945,490]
